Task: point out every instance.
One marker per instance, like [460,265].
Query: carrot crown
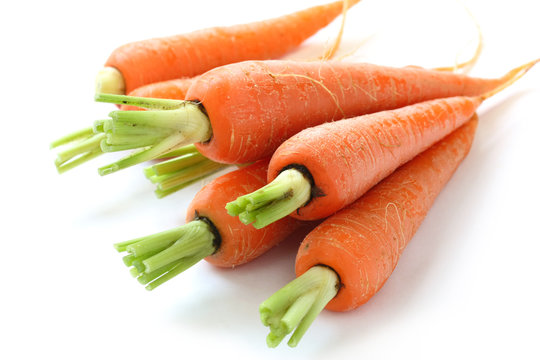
[158,258]
[156,133]
[297,304]
[288,192]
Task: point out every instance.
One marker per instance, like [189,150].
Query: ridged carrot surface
[239,243]
[346,158]
[363,242]
[191,54]
[254,106]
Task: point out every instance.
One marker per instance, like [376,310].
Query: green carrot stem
[76,135]
[150,153]
[146,103]
[188,149]
[289,191]
[162,193]
[178,163]
[83,145]
[179,268]
[197,171]
[297,304]
[175,174]
[159,257]
[156,132]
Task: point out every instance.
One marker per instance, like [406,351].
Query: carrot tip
[158,258]
[288,192]
[297,304]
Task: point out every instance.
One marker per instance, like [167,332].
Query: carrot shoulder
[361,245]
[187,55]
[208,233]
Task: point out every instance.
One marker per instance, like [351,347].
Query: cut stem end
[297,304]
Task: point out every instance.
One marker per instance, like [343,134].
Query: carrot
[136,64]
[344,261]
[322,169]
[242,112]
[209,233]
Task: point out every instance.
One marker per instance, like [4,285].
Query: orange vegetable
[238,243]
[160,59]
[242,112]
[363,242]
[337,162]
[254,106]
[344,261]
[208,233]
[346,158]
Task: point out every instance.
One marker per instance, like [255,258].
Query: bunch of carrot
[366,147]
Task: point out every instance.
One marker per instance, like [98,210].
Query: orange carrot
[324,168]
[348,258]
[209,233]
[153,60]
[242,112]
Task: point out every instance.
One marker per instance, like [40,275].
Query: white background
[467,286]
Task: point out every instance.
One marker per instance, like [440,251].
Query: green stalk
[297,304]
[159,257]
[84,145]
[289,191]
[146,103]
[175,174]
[154,133]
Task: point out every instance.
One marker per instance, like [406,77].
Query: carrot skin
[346,158]
[191,54]
[239,243]
[363,242]
[254,106]
[171,89]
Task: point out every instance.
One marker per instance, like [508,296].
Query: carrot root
[175,174]
[297,304]
[158,258]
[110,81]
[289,191]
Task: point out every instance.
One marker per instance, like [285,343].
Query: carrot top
[158,258]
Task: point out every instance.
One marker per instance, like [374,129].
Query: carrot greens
[297,304]
[158,258]
[289,191]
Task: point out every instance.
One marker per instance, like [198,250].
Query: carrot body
[191,54]
[348,157]
[254,106]
[363,242]
[239,243]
